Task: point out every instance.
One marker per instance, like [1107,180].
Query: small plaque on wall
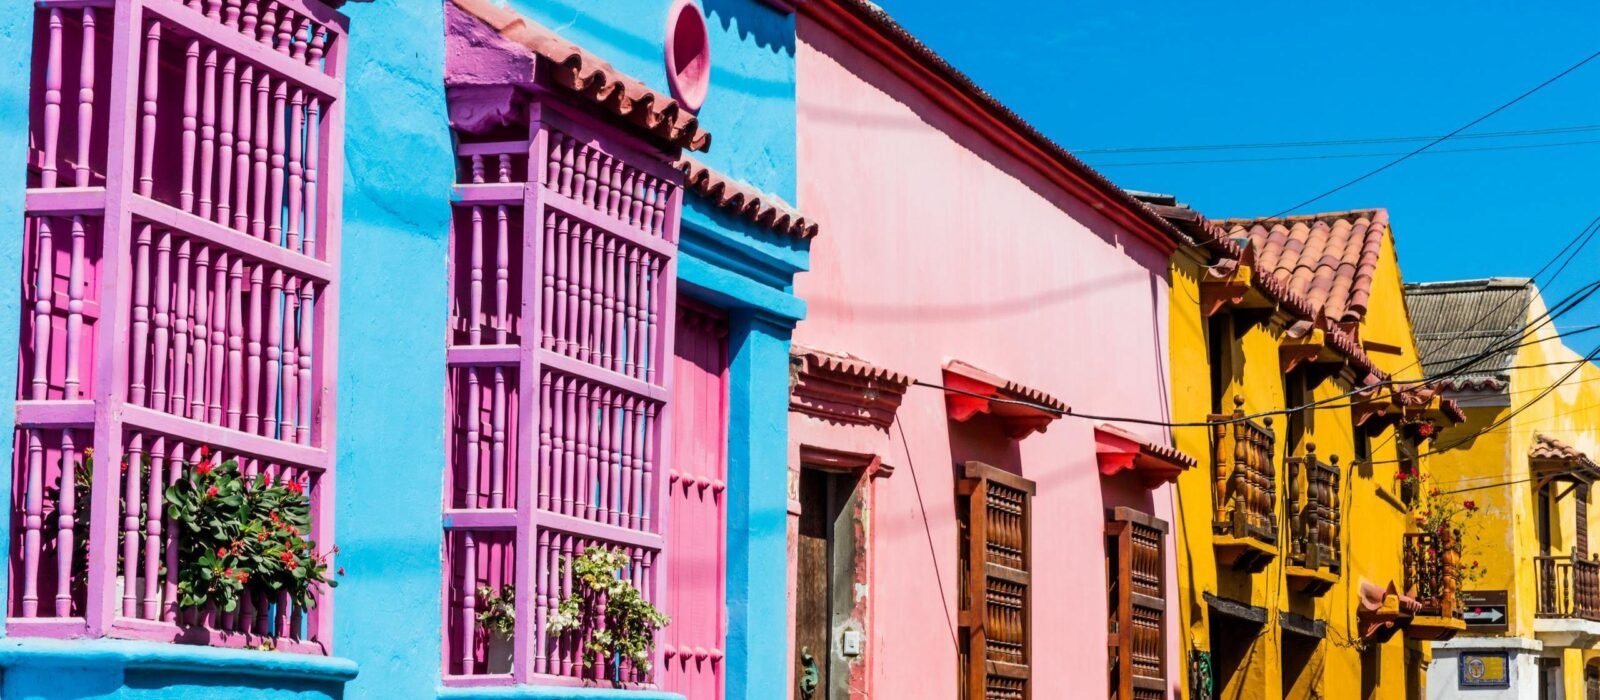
[1485,670]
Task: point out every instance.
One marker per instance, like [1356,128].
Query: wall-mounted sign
[1485,611]
[1485,670]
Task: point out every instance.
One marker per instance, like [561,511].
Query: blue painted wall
[398,175]
[16,47]
[750,107]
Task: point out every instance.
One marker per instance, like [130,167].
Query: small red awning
[973,391]
[1119,450]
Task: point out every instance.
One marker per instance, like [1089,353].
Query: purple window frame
[143,222]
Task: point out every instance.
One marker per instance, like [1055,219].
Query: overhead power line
[1330,142]
[1344,156]
[1407,156]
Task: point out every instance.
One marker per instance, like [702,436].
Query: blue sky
[1158,73]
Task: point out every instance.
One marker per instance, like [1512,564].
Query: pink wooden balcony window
[692,646]
[562,272]
[179,290]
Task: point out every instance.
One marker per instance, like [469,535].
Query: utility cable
[1345,156]
[1329,142]
[1442,139]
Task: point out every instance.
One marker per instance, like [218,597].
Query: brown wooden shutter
[1136,567]
[995,561]
[1582,530]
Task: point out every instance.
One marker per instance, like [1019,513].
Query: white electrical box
[851,642]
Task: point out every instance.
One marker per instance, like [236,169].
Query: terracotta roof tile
[593,79]
[1457,321]
[744,201]
[851,366]
[1546,447]
[1165,453]
[1327,259]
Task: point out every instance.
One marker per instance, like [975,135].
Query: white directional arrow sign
[1485,615]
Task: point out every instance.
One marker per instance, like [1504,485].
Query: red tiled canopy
[1119,450]
[744,201]
[974,391]
[1329,259]
[591,78]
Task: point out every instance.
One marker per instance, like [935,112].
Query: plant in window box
[239,539]
[1437,553]
[613,619]
[82,517]
[498,618]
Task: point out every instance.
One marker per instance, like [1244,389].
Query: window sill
[530,692]
[18,652]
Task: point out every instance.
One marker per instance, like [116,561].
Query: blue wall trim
[16,48]
[19,652]
[544,693]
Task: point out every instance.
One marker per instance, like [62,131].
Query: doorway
[825,640]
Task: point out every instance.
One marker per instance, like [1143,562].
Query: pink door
[696,543]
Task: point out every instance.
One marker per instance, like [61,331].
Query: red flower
[1469,505]
[205,451]
[1425,429]
[203,468]
[294,486]
[341,571]
[288,558]
[221,552]
[211,492]
[243,576]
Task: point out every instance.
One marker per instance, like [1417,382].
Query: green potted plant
[497,617]
[611,617]
[240,538]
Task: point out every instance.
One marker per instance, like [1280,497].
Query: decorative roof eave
[1349,304]
[1383,611]
[568,67]
[972,391]
[844,389]
[745,201]
[870,30]
[1119,450]
[1423,400]
[1376,404]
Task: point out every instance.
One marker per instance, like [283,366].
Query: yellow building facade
[1524,457]
[1293,582]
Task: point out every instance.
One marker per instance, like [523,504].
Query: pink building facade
[976,529]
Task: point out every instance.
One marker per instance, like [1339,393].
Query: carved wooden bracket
[844,389]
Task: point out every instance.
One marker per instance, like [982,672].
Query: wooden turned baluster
[607,485]
[564,182]
[43,306]
[260,157]
[235,366]
[582,473]
[75,290]
[542,602]
[628,207]
[141,316]
[246,126]
[208,132]
[580,172]
[647,470]
[307,392]
[547,295]
[566,419]
[269,23]
[221,295]
[66,512]
[280,101]
[86,66]
[625,461]
[147,122]
[130,524]
[52,108]
[152,529]
[202,333]
[558,444]
[180,336]
[559,325]
[313,152]
[574,262]
[663,199]
[163,321]
[286,33]
[650,351]
[252,361]
[291,360]
[542,474]
[297,127]
[585,287]
[33,524]
[274,376]
[497,441]
[191,111]
[602,193]
[631,337]
[302,40]
[608,305]
[225,145]
[230,15]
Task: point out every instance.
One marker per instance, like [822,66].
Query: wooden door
[813,613]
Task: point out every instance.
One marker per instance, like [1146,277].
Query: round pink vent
[688,54]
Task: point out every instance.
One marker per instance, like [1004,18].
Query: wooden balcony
[1568,587]
[1245,483]
[1314,527]
[1429,580]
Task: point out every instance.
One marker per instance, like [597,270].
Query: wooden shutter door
[995,583]
[1137,642]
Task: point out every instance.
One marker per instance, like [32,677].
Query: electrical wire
[1504,106]
[1345,156]
[1329,142]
